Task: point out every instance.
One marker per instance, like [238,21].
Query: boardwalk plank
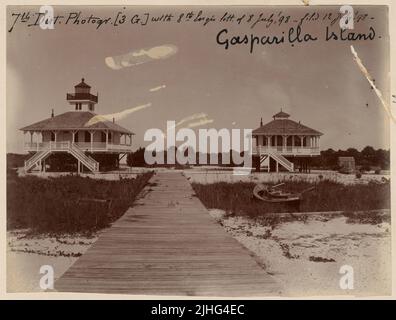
[167,244]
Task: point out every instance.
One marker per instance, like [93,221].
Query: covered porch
[293,145]
[86,140]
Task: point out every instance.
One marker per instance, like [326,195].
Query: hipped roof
[82,84]
[74,120]
[285,127]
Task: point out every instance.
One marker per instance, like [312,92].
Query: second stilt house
[284,144]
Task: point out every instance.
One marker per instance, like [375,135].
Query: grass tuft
[68,204]
[237,198]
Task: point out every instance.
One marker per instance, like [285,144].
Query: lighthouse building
[77,140]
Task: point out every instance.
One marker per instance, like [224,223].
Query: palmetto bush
[237,198]
[70,203]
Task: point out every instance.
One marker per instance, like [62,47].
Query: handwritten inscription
[295,35]
[129,17]
[290,29]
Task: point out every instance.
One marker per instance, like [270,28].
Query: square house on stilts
[284,144]
[77,140]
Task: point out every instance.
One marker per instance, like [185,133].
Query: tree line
[367,159]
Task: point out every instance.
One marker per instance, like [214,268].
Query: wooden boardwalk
[167,244]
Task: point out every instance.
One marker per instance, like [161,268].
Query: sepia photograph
[198,151]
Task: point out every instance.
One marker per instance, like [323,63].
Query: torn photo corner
[195,151]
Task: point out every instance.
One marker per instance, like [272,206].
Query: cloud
[157,88]
[140,56]
[116,116]
[200,123]
[194,116]
[203,119]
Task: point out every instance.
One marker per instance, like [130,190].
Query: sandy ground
[207,175]
[26,255]
[102,176]
[212,174]
[287,251]
[124,173]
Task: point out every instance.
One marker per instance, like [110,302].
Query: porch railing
[85,146]
[43,149]
[286,150]
[81,96]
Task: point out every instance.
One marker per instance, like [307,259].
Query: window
[279,141]
[297,141]
[87,136]
[91,107]
[109,137]
[289,141]
[103,137]
[52,136]
[273,141]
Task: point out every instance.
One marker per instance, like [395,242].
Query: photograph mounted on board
[229,151]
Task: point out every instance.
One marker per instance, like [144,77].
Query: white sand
[26,255]
[367,248]
[212,174]
[124,173]
[205,175]
[112,176]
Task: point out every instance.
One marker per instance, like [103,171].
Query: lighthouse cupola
[82,99]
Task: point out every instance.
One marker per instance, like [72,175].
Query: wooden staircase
[36,159]
[264,165]
[288,165]
[67,146]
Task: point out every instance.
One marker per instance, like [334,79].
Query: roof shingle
[74,120]
[281,114]
[82,84]
[285,127]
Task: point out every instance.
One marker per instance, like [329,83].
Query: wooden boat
[272,195]
[264,193]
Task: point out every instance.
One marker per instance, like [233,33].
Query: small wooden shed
[346,164]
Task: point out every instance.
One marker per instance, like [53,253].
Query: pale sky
[317,83]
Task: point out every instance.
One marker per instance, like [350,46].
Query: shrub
[320,259]
[365,168]
[69,204]
[237,198]
[358,175]
[136,159]
[366,217]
